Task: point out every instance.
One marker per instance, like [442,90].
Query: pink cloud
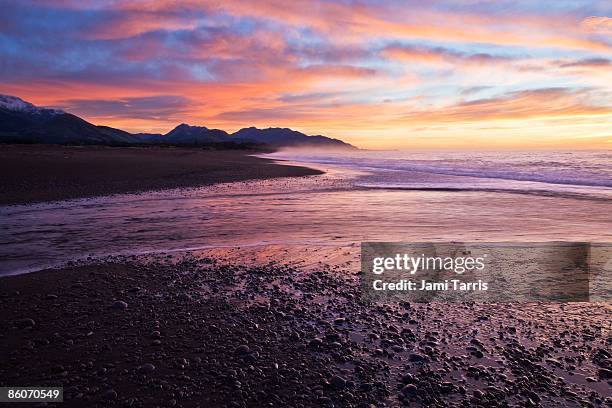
[598,24]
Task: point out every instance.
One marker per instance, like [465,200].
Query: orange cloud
[317,66]
[355,21]
[133,24]
[595,24]
[541,103]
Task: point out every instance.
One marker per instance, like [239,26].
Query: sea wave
[534,192]
[577,170]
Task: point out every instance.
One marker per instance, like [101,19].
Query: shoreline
[168,329]
[55,173]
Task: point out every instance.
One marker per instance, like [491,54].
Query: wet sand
[244,328]
[47,173]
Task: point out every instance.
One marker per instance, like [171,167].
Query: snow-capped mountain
[16,104]
[23,122]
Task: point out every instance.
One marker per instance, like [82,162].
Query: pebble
[416,357]
[337,382]
[120,305]
[408,378]
[109,395]
[409,390]
[25,323]
[315,343]
[243,349]
[147,368]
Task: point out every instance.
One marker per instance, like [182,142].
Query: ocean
[586,174]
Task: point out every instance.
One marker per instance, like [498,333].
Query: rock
[605,374]
[408,379]
[315,343]
[25,323]
[120,305]
[243,349]
[416,357]
[337,382]
[109,395]
[409,390]
[147,368]
[534,396]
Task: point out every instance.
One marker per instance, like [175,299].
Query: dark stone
[25,323]
[120,305]
[337,382]
[416,357]
[408,379]
[243,349]
[315,343]
[147,368]
[109,395]
[409,390]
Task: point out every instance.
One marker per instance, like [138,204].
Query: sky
[379,74]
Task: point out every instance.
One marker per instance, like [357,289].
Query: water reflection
[320,210]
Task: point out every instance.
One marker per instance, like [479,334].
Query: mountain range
[23,122]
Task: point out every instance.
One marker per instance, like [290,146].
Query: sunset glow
[393,74]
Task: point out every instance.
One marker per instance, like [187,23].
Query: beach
[48,172]
[333,203]
[246,293]
[212,329]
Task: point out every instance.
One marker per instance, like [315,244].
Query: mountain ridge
[23,122]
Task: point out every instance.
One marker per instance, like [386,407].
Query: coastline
[53,173]
[279,325]
[167,329]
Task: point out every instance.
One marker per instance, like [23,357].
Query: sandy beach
[47,173]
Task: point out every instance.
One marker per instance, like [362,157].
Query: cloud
[474,89]
[515,106]
[439,54]
[322,64]
[598,24]
[118,25]
[481,22]
[310,97]
[588,62]
[160,107]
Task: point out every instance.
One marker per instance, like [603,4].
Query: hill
[23,122]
